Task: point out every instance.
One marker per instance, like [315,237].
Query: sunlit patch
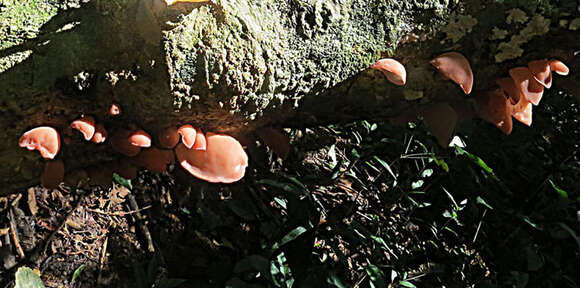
[13,59]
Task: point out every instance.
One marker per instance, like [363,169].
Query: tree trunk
[232,66]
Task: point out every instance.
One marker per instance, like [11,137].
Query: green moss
[19,21]
[255,55]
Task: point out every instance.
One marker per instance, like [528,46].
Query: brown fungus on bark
[454,66]
[140,138]
[509,87]
[53,174]
[224,160]
[441,120]
[188,135]
[100,134]
[120,143]
[531,89]
[44,139]
[153,159]
[168,138]
[393,70]
[200,141]
[541,71]
[114,110]
[494,107]
[559,67]
[86,125]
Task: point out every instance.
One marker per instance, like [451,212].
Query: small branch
[102,260]
[14,235]
[118,213]
[144,229]
[479,226]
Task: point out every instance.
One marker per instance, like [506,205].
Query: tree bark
[232,66]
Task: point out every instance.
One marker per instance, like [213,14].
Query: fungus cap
[223,161]
[441,119]
[454,66]
[44,139]
[154,159]
[541,71]
[393,70]
[200,141]
[559,67]
[120,143]
[188,134]
[114,110]
[528,86]
[100,134]
[86,125]
[53,174]
[168,138]
[522,111]
[140,138]
[493,106]
[509,87]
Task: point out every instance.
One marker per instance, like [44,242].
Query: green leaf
[289,237]
[122,181]
[376,275]
[26,278]
[334,280]
[407,284]
[243,208]
[384,164]
[481,201]
[572,233]
[441,163]
[475,159]
[281,201]
[562,193]
[529,221]
[78,272]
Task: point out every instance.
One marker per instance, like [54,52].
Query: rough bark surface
[234,65]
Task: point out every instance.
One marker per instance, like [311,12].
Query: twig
[102,260]
[144,229]
[14,235]
[479,225]
[14,202]
[118,213]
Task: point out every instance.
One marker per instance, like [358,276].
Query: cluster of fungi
[513,96]
[212,157]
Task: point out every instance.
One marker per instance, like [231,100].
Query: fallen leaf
[32,201]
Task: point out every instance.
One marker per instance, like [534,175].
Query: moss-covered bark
[227,65]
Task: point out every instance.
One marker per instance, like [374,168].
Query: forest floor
[358,204]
